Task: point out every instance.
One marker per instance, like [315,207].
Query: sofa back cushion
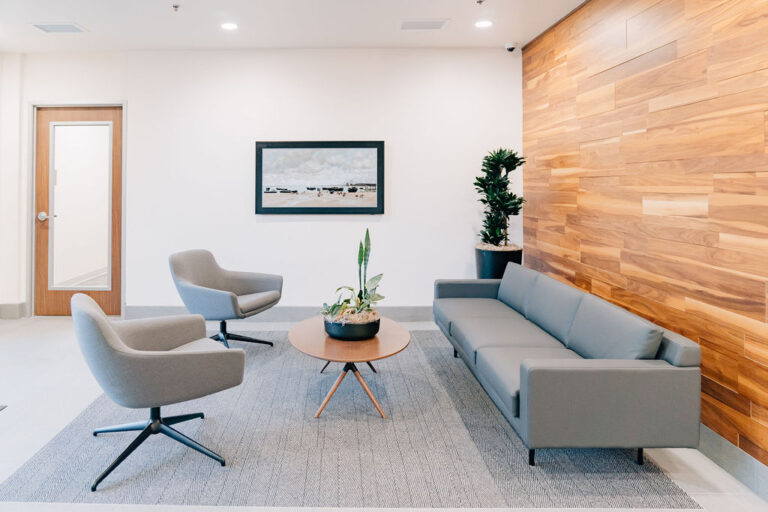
[601,330]
[552,305]
[516,285]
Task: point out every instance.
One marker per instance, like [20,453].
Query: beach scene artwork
[319,177]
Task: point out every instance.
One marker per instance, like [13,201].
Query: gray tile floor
[45,384]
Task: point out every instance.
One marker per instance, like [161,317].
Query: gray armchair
[150,363]
[218,294]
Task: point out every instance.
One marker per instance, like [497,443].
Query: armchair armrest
[213,304]
[609,403]
[163,333]
[467,288]
[243,283]
[161,378]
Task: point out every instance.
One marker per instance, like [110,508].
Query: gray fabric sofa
[570,370]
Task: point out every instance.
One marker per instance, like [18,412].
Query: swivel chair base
[223,336]
[155,425]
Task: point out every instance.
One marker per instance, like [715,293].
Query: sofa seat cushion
[552,306]
[498,369]
[515,286]
[601,330]
[473,334]
[255,301]
[448,310]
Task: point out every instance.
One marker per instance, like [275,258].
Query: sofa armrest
[609,403]
[161,333]
[467,288]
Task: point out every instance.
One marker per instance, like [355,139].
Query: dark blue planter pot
[491,264]
[351,332]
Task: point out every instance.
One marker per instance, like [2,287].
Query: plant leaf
[366,254]
[374,281]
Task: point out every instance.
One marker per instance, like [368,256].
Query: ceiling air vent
[59,28]
[435,24]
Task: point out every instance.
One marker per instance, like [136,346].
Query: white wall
[193,118]
[13,249]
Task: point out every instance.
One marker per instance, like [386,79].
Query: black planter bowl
[491,264]
[351,332]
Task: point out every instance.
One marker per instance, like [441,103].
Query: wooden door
[78,207]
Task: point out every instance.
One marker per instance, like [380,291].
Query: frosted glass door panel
[81,170]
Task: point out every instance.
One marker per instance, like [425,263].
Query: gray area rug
[443,445]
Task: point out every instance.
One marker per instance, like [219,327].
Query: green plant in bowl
[356,306]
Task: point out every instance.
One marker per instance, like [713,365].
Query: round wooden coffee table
[309,337]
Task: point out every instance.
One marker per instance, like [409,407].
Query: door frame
[31,153]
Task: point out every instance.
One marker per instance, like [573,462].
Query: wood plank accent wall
[647,179]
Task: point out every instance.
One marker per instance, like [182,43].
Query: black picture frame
[376,210]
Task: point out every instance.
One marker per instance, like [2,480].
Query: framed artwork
[320,177]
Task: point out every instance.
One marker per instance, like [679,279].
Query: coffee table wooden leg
[368,392]
[331,392]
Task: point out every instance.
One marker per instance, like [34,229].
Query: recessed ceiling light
[229,26]
[483,23]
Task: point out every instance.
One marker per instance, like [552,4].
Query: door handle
[44,216]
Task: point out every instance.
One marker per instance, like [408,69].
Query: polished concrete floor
[45,384]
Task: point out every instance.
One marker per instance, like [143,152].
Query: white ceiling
[152,24]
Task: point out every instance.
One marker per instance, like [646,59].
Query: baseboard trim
[738,463]
[288,313]
[13,311]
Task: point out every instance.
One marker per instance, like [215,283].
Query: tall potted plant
[494,251]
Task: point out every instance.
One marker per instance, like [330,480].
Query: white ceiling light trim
[229,26]
[483,23]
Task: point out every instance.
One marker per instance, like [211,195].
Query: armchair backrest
[101,346]
[198,267]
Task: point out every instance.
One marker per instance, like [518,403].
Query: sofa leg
[455,353]
[640,457]
[531,457]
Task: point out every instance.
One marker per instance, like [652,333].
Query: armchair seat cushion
[499,371]
[257,301]
[449,310]
[472,334]
[201,345]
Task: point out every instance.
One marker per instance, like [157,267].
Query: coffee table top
[309,337]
